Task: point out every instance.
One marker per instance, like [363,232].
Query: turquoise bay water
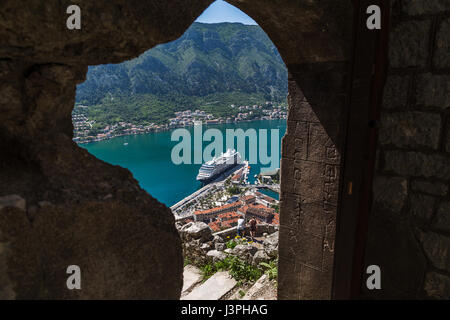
[148,157]
[270,193]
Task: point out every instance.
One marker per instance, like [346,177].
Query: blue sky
[221,11]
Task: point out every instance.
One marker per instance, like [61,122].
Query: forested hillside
[210,67]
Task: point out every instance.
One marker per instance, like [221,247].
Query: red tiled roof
[236,177]
[248,197]
[218,209]
[220,225]
[228,215]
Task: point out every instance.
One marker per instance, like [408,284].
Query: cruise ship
[217,165]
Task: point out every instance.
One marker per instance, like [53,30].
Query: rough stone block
[320,147]
[434,188]
[287,176]
[442,220]
[441,57]
[408,44]
[315,284]
[433,90]
[417,164]
[312,219]
[295,144]
[420,7]
[396,8]
[447,138]
[309,251]
[422,206]
[390,193]
[437,285]
[437,248]
[312,180]
[288,279]
[13,200]
[392,245]
[396,92]
[300,110]
[410,129]
[290,210]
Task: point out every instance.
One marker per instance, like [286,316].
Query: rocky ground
[201,248]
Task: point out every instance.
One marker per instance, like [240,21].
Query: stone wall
[71,208]
[81,209]
[202,247]
[260,230]
[310,171]
[409,231]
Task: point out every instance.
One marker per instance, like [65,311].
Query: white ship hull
[216,166]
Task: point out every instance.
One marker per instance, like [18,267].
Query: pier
[217,182]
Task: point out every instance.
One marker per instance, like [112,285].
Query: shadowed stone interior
[59,205]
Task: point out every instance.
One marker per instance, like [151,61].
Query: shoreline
[168,129]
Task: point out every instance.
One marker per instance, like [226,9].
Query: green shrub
[238,269]
[271,269]
[207,271]
[231,244]
[241,271]
[234,190]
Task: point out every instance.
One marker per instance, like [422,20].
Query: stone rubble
[200,246]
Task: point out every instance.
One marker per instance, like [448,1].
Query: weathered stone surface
[271,245]
[206,247]
[220,246]
[7,291]
[41,64]
[432,90]
[395,92]
[437,286]
[437,248]
[310,172]
[447,139]
[396,8]
[135,26]
[196,230]
[140,25]
[417,164]
[420,7]
[441,57]
[442,220]
[215,256]
[390,193]
[434,188]
[410,129]
[245,252]
[218,239]
[411,37]
[13,200]
[35,137]
[417,81]
[422,206]
[213,289]
[263,289]
[191,276]
[303,16]
[97,236]
[244,249]
[260,256]
[81,210]
[393,247]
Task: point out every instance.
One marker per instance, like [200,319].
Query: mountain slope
[210,65]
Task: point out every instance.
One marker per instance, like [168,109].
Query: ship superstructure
[218,165]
